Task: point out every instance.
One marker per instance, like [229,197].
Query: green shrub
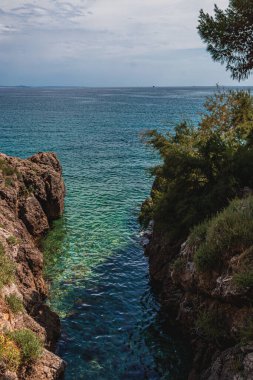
[7,268]
[228,233]
[15,303]
[210,325]
[8,182]
[10,356]
[146,212]
[30,345]
[206,258]
[7,169]
[198,234]
[178,265]
[246,332]
[232,229]
[244,279]
[12,240]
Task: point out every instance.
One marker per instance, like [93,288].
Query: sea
[113,327]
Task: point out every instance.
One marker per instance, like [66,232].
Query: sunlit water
[112,327]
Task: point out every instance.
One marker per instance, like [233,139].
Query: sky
[106,43]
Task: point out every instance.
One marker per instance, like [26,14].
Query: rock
[34,217]
[48,366]
[31,197]
[187,294]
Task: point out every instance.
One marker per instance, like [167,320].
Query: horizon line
[112,87]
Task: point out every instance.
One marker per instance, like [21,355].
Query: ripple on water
[112,326]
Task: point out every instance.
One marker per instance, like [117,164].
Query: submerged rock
[31,197]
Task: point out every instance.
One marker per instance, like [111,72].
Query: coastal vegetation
[228,233]
[203,166]
[210,325]
[15,303]
[28,342]
[7,268]
[10,355]
[18,348]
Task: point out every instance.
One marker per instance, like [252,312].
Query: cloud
[89,38]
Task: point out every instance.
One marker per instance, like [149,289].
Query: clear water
[112,326]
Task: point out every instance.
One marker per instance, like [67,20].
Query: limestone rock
[31,197]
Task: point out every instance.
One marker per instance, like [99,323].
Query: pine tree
[229,36]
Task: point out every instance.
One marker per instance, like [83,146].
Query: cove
[112,326]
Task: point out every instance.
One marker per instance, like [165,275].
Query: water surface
[112,327]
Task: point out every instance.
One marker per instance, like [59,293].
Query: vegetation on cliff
[229,233]
[203,167]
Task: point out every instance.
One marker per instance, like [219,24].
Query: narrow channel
[112,326]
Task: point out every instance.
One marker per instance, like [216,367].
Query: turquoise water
[112,326]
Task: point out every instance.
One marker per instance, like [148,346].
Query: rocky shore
[31,197]
[212,309]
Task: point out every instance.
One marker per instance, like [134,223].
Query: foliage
[210,325]
[6,169]
[206,258]
[246,332]
[10,355]
[8,182]
[146,213]
[244,275]
[7,268]
[229,232]
[12,240]
[15,303]
[179,264]
[244,279]
[203,166]
[229,36]
[29,344]
[198,235]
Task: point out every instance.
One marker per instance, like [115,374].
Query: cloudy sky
[106,43]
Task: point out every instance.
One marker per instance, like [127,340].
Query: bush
[178,265]
[11,240]
[15,303]
[7,268]
[7,169]
[146,212]
[246,332]
[244,279]
[203,166]
[198,235]
[232,229]
[244,275]
[210,325]
[8,182]
[206,258]
[230,232]
[30,345]
[10,356]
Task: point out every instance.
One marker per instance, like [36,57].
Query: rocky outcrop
[31,197]
[211,308]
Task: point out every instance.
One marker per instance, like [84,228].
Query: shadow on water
[113,327]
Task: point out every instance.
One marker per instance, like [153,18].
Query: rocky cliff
[31,197]
[208,284]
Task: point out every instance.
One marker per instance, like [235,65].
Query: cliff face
[213,305]
[31,196]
